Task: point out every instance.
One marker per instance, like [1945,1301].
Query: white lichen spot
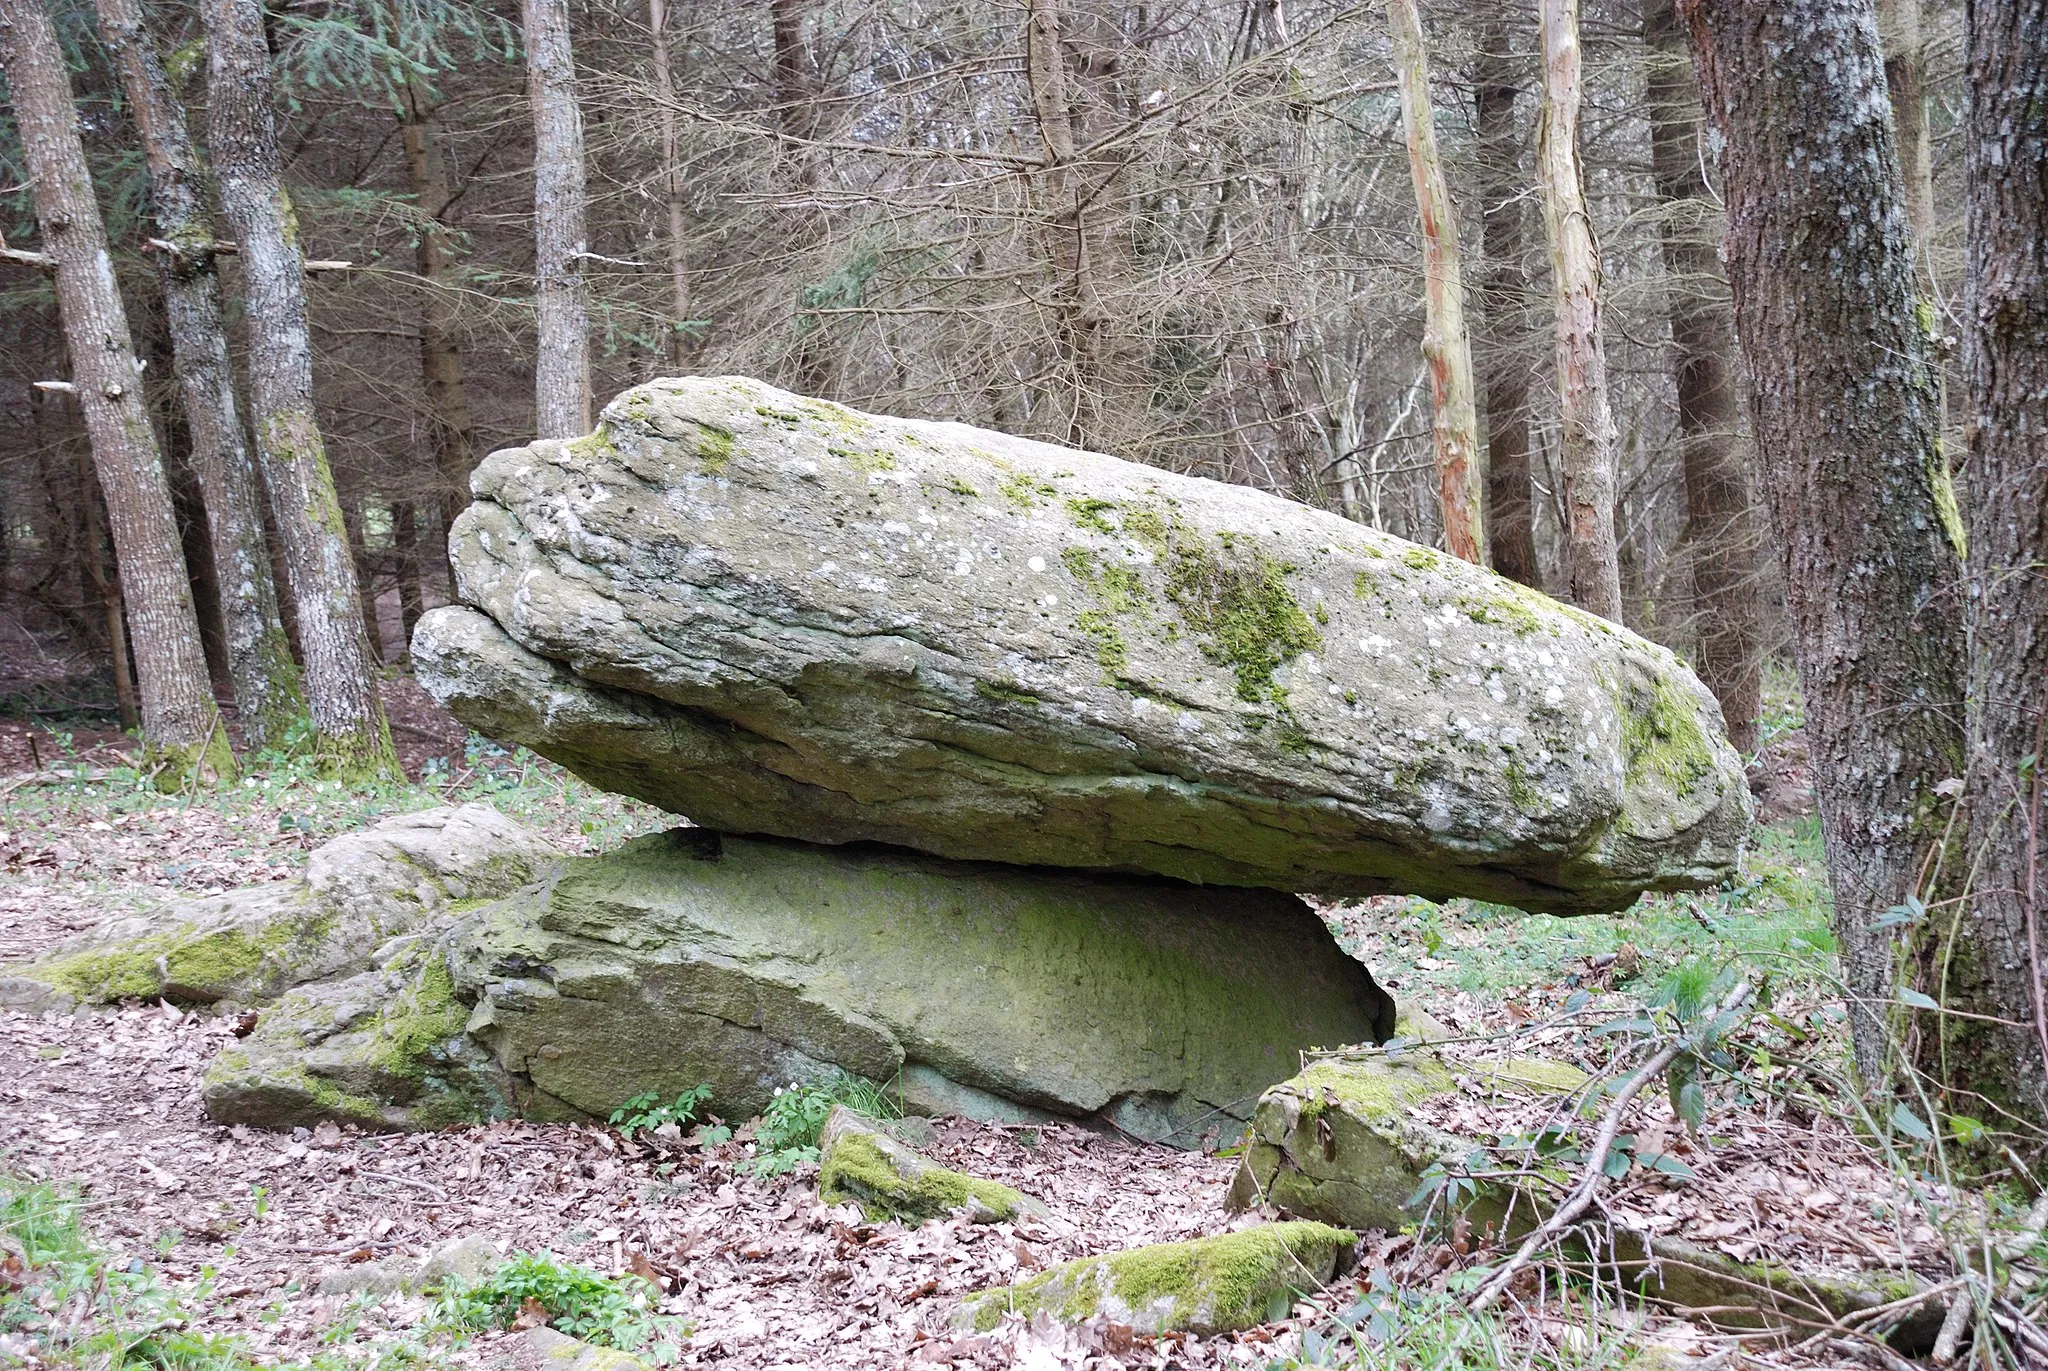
[1036,564]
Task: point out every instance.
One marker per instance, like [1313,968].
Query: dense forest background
[855,202]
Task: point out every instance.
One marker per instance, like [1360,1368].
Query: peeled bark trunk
[351,735]
[259,659]
[1510,530]
[1446,348]
[1993,964]
[181,724]
[449,428]
[1586,422]
[1845,399]
[561,369]
[1720,495]
[671,185]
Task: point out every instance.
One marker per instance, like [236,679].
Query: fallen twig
[1582,1195]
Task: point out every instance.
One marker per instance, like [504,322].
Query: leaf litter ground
[766,1274]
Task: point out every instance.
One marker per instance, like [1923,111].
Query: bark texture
[451,431]
[1446,347]
[181,725]
[1898,26]
[1720,492]
[1509,528]
[259,659]
[1844,395]
[1994,965]
[671,185]
[561,367]
[1585,418]
[341,686]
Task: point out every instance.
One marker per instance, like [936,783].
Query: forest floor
[234,1232]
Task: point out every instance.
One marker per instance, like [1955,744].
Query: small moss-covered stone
[1219,1284]
[862,1165]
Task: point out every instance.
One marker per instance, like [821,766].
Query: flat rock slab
[749,963]
[359,891]
[1219,1284]
[859,1163]
[777,615]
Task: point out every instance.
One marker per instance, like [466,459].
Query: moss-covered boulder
[749,963]
[861,1164]
[1209,1285]
[1338,1142]
[776,615]
[359,891]
[384,1050]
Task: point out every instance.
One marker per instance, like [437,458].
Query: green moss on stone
[1420,559]
[424,1017]
[857,1170]
[1376,1087]
[1093,513]
[99,976]
[1024,491]
[1661,735]
[867,462]
[714,446]
[1243,606]
[1213,1284]
[1007,689]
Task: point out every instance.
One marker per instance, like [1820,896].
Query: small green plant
[578,1301]
[786,1136]
[645,1112]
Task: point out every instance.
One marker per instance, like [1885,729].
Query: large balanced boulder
[776,615]
[748,964]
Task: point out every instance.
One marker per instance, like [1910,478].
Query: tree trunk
[259,659]
[1446,349]
[561,369]
[106,587]
[671,185]
[181,726]
[405,543]
[351,735]
[1898,25]
[1586,423]
[1511,534]
[450,429]
[1062,222]
[1719,492]
[1844,396]
[1994,964]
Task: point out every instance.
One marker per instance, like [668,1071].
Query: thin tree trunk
[561,369]
[405,543]
[259,659]
[1062,226]
[1586,421]
[1995,962]
[366,573]
[106,587]
[1898,25]
[1511,535]
[450,429]
[1844,396]
[181,724]
[1719,490]
[1446,348]
[671,185]
[350,732]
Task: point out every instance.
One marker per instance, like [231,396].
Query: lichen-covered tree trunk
[561,366]
[181,724]
[341,686]
[1445,345]
[1510,527]
[1585,418]
[1994,964]
[266,679]
[1845,400]
[1722,531]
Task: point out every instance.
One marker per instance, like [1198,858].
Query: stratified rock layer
[782,616]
